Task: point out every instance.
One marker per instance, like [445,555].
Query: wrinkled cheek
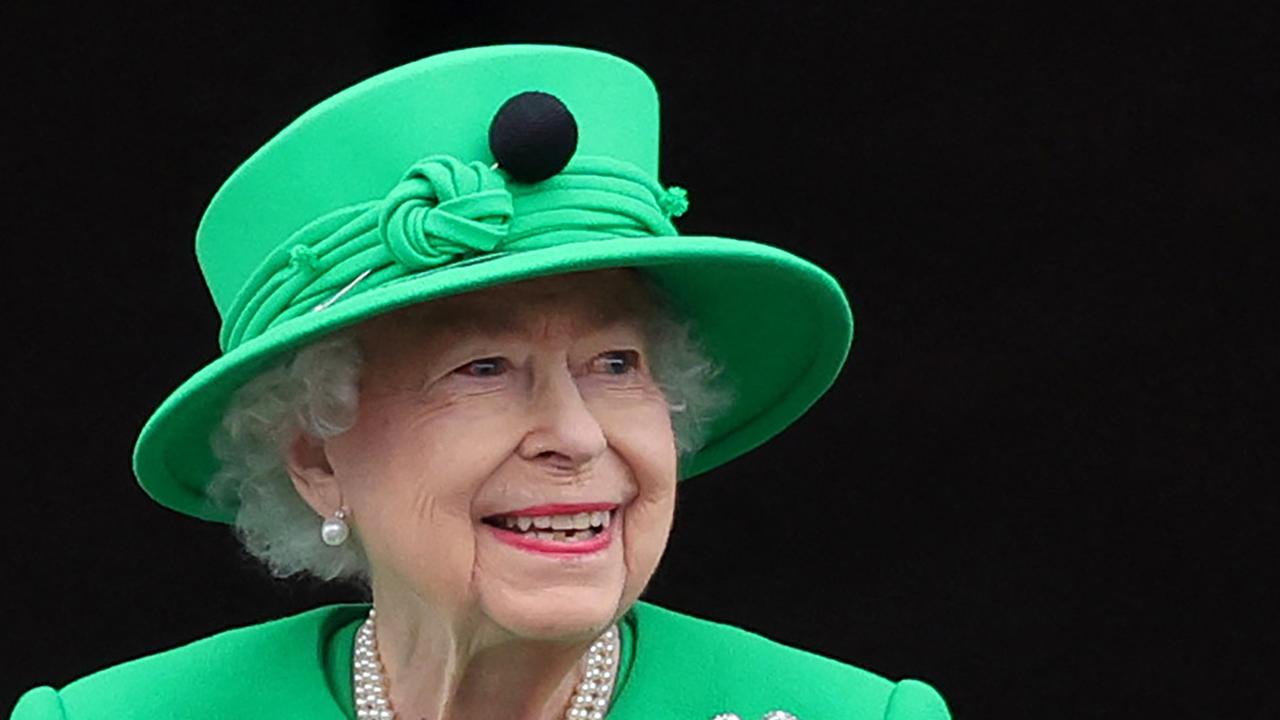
[433,558]
[455,569]
[645,534]
[643,426]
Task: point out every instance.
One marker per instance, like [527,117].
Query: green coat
[672,667]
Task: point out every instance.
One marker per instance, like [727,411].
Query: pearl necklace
[590,697]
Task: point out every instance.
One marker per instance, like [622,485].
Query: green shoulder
[686,667]
[247,672]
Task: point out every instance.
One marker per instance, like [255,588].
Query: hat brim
[779,326]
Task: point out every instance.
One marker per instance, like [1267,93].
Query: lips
[562,528]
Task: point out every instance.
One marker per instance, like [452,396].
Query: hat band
[443,212]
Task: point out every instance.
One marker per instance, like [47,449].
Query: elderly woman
[473,391]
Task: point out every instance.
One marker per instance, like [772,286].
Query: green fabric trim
[441,211]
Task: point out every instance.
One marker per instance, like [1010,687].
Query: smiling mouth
[559,527]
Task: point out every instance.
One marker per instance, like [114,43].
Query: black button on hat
[532,136]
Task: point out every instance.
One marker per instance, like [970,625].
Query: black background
[1046,481]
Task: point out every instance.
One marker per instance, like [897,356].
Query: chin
[572,613]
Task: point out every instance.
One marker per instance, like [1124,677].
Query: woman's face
[484,418]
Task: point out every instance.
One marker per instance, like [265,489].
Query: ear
[308,464]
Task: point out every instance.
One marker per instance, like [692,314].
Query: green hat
[389,194]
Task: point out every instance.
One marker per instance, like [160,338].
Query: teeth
[598,520]
[546,535]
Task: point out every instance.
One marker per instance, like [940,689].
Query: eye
[616,362]
[483,367]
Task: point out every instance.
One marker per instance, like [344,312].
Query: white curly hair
[315,391]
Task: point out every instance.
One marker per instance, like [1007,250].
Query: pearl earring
[334,530]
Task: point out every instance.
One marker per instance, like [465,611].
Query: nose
[563,435]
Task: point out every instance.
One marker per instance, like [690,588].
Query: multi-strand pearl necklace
[590,697]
